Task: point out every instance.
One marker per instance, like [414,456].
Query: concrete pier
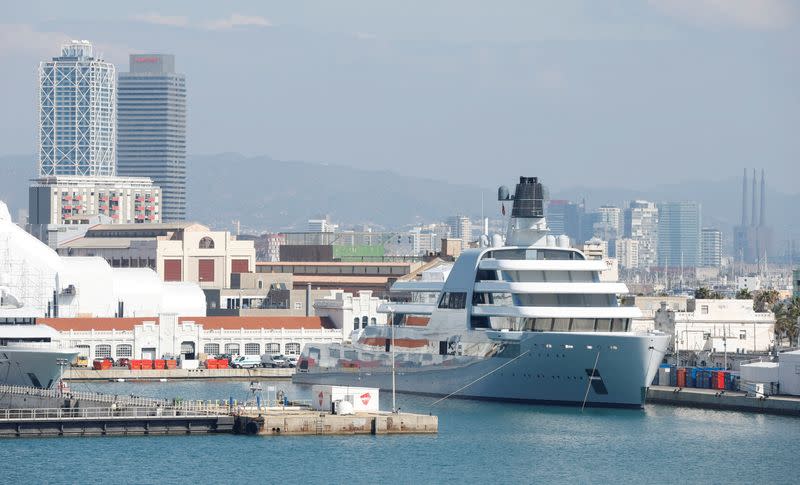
[719,399]
[26,411]
[306,422]
[20,423]
[85,374]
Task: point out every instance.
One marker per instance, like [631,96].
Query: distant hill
[267,194]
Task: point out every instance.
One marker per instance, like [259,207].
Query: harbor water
[478,442]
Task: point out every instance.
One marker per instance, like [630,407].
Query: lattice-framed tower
[77,113]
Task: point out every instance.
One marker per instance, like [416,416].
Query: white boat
[527,320]
[28,356]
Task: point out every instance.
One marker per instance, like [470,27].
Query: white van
[246,362]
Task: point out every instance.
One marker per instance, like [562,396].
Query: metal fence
[44,414]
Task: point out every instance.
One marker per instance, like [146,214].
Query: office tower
[609,223]
[460,228]
[679,234]
[711,247]
[152,128]
[566,217]
[77,114]
[627,252]
[641,224]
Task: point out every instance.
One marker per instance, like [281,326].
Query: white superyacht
[528,321]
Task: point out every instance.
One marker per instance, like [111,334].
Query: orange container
[159,364]
[171,364]
[133,364]
[681,377]
[718,379]
[147,364]
[222,363]
[211,364]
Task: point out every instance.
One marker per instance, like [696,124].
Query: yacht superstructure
[528,320]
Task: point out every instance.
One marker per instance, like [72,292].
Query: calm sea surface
[478,442]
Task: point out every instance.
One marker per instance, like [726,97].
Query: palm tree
[765,299]
[703,293]
[787,313]
[744,294]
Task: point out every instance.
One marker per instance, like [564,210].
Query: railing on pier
[184,407]
[43,414]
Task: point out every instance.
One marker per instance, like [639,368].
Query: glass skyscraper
[679,234]
[77,118]
[152,128]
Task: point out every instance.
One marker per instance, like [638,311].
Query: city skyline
[651,82]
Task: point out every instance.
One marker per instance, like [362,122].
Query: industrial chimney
[762,218]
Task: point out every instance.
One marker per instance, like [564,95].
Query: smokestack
[744,198]
[762,218]
[753,212]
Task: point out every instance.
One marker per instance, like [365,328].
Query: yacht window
[543,324]
[350,354]
[334,353]
[618,325]
[583,324]
[568,347]
[561,324]
[453,301]
[603,325]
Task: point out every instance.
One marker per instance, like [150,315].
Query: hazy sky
[610,93]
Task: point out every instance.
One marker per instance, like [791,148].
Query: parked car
[246,362]
[269,360]
[291,360]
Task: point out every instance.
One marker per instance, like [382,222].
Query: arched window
[292,348]
[232,349]
[252,349]
[260,284]
[211,349]
[272,348]
[364,321]
[124,350]
[206,243]
[102,350]
[373,321]
[356,322]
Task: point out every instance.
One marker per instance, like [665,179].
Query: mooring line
[479,378]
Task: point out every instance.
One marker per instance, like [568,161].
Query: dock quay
[722,399]
[307,422]
[31,412]
[86,374]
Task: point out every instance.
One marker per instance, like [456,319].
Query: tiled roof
[209,323]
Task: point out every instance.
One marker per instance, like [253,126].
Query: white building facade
[170,336]
[77,199]
[351,312]
[718,326]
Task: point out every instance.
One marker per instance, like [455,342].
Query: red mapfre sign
[145,59]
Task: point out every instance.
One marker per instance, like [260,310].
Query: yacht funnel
[528,198]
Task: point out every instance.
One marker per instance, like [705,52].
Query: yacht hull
[32,367]
[601,370]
